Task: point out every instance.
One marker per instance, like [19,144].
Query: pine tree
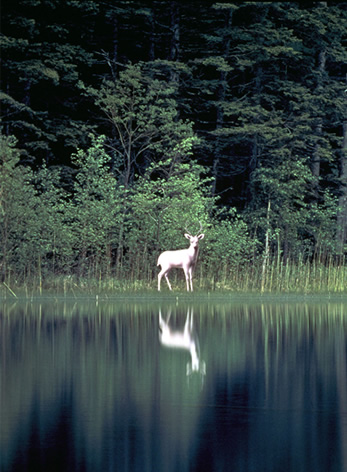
[43,55]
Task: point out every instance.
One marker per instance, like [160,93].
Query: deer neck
[193,250]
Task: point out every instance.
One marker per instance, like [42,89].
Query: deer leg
[159,279]
[190,273]
[190,314]
[186,273]
[160,275]
[167,280]
[186,326]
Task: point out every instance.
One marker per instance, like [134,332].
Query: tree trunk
[120,245]
[222,92]
[175,39]
[266,255]
[316,157]
[341,233]
[114,61]
[257,95]
[27,91]
[151,49]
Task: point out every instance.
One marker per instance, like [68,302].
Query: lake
[173,384]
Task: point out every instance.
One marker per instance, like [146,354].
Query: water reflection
[185,338]
[86,387]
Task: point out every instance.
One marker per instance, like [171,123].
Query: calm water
[121,386]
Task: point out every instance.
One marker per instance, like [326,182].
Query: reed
[288,277]
[277,276]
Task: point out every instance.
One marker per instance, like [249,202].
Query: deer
[181,259]
[186,340]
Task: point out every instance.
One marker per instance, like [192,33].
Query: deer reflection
[186,339]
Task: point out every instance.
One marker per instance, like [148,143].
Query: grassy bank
[272,278]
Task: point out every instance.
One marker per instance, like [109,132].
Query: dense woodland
[126,123]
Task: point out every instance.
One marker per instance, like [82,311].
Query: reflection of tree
[99,374]
[341,378]
[99,363]
[278,376]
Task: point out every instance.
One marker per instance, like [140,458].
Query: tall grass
[289,277]
[278,276]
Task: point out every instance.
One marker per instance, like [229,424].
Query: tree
[341,234]
[162,205]
[143,119]
[253,92]
[19,226]
[43,56]
[285,213]
[93,214]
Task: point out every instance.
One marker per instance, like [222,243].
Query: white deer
[186,339]
[182,259]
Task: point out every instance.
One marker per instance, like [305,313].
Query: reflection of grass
[98,365]
[274,277]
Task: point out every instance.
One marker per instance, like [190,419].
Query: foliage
[162,207]
[20,229]
[40,72]
[144,119]
[229,247]
[92,214]
[135,120]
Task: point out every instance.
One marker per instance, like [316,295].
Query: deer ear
[188,236]
[201,236]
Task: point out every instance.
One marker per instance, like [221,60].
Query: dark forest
[125,124]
